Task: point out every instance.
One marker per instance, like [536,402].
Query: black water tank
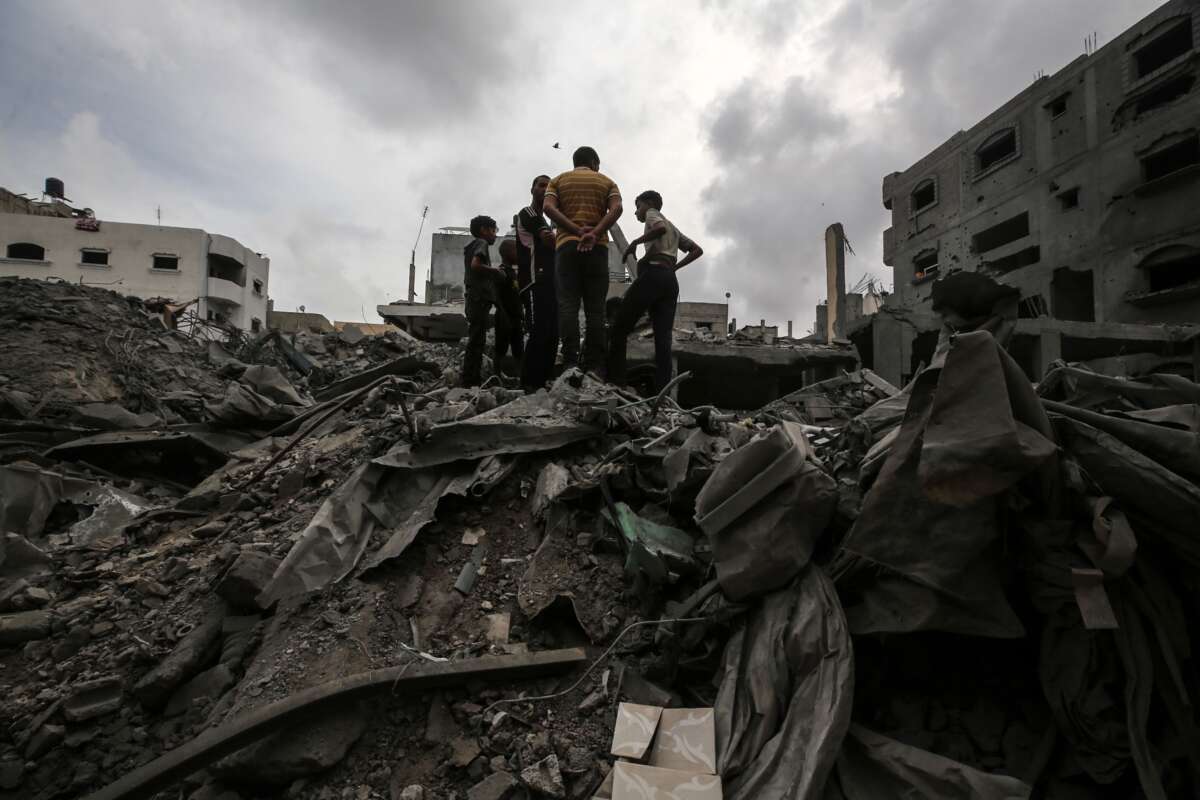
[55,188]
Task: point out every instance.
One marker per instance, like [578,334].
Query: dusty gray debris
[190,655]
[24,626]
[545,777]
[208,685]
[496,786]
[245,580]
[93,699]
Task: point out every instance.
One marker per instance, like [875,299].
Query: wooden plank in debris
[217,742]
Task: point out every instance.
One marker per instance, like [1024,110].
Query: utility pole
[412,262]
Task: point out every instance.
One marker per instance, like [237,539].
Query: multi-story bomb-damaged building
[1083,191]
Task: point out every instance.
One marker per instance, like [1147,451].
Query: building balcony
[225,290]
[889,247]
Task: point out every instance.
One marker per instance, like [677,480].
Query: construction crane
[412,262]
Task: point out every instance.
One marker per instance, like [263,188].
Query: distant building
[1082,191]
[52,240]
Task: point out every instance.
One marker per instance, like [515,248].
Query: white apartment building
[53,241]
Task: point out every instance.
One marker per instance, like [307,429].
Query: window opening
[1073,295]
[1021,258]
[97,257]
[166,262]
[1166,92]
[26,251]
[1032,307]
[226,268]
[1178,266]
[925,265]
[1069,199]
[1178,156]
[258,287]
[1001,233]
[1057,106]
[255,325]
[925,194]
[996,149]
[1164,49]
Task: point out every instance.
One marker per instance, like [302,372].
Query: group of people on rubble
[554,265]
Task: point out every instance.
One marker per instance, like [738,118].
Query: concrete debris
[962,585]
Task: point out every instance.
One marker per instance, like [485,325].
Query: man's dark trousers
[656,291]
[508,328]
[479,302]
[582,277]
[543,331]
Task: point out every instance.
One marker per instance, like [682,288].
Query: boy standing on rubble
[509,328]
[480,279]
[655,290]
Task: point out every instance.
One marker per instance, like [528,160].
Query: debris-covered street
[313,570]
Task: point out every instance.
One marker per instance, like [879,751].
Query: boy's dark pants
[508,327]
[479,304]
[655,291]
[582,277]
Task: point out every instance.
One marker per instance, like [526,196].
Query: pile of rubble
[331,575]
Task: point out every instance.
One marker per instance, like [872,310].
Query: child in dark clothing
[509,330]
[479,278]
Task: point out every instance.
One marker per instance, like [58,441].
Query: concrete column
[1049,350]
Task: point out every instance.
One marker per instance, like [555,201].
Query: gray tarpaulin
[528,424]
[786,693]
[910,562]
[763,509]
[874,767]
[271,383]
[29,495]
[1083,388]
[1142,486]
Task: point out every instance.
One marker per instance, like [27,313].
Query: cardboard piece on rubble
[634,730]
[643,782]
[686,740]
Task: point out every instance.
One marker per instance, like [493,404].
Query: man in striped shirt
[584,203]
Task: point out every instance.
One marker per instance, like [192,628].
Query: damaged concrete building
[51,240]
[1081,192]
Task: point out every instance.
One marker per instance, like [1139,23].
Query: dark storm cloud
[779,183]
[406,65]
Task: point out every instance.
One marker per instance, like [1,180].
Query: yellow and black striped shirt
[583,196]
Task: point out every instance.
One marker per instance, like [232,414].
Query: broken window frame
[255,325]
[930,183]
[1189,140]
[1182,26]
[1058,99]
[84,252]
[8,253]
[927,271]
[994,139]
[1162,260]
[155,259]
[258,287]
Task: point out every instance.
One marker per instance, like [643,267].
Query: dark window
[27,251]
[166,262]
[1001,146]
[925,194]
[226,268]
[1001,233]
[1175,266]
[1073,295]
[704,326]
[258,287]
[97,257]
[1164,93]
[1032,307]
[255,325]
[925,265]
[1057,106]
[1069,198]
[1165,49]
[1021,258]
[1172,159]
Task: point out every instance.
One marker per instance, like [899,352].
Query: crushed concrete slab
[24,626]
[190,655]
[496,786]
[93,699]
[208,685]
[246,579]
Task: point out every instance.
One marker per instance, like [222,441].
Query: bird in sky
[555,145]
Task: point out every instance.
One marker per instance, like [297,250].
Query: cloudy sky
[316,132]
